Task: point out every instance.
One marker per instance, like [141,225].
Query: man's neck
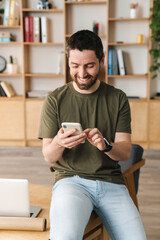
[88,91]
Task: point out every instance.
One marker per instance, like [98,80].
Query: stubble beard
[87,85]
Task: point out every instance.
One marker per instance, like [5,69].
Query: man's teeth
[83,79]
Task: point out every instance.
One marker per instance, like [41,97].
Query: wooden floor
[28,162]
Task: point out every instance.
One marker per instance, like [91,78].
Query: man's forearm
[120,151]
[52,151]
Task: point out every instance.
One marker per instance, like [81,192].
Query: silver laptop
[14,199]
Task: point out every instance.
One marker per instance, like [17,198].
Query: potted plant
[155,37]
[12,67]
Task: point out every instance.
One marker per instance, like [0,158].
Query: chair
[131,170]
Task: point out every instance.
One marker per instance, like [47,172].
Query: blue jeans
[74,199]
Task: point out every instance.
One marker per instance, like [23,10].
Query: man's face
[84,68]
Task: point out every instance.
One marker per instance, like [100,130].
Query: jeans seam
[103,219]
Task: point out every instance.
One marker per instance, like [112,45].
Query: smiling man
[84,70]
[87,174]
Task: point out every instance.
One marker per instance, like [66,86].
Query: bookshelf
[22,114]
[137,61]
[38,76]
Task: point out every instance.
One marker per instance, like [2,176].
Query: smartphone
[70,125]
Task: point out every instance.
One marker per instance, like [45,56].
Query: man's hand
[95,137]
[66,140]
[121,145]
[53,148]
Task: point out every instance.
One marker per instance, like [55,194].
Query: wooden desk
[41,196]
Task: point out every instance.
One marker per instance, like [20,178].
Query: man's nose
[82,72]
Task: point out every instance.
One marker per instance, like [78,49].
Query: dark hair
[85,40]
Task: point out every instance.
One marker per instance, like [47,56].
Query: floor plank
[149,194]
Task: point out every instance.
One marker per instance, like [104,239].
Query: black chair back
[136,156]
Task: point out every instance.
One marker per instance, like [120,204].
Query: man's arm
[53,148]
[121,147]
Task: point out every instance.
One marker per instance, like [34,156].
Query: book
[5,34]
[1,15]
[26,29]
[7,88]
[11,13]
[121,62]
[14,13]
[6,12]
[60,63]
[110,57]
[30,29]
[37,94]
[5,39]
[2,92]
[36,29]
[44,29]
[114,62]
[133,97]
[16,18]
[157,96]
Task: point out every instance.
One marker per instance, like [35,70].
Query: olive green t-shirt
[106,109]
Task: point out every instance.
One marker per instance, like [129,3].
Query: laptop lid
[14,198]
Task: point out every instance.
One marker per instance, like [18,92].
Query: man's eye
[74,66]
[90,66]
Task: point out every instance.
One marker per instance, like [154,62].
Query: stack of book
[6,37]
[38,94]
[6,90]
[11,13]
[157,96]
[36,29]
[116,64]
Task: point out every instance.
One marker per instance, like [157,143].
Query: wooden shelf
[100,35]
[10,75]
[127,19]
[128,44]
[138,99]
[43,44]
[10,43]
[85,2]
[53,10]
[34,99]
[129,76]
[10,27]
[48,75]
[17,98]
[68,35]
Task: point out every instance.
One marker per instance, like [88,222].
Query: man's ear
[102,61]
[68,62]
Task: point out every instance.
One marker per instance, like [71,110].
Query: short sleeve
[124,116]
[49,119]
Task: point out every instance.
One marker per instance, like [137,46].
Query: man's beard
[87,85]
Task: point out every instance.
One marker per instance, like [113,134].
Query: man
[87,175]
